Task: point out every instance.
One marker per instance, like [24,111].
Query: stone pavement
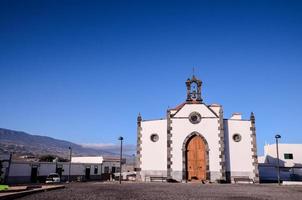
[169,191]
[20,191]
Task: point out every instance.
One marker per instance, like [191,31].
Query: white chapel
[196,143]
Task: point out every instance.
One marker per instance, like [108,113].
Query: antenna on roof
[193,71]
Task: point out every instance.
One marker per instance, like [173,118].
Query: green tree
[51,158]
[47,158]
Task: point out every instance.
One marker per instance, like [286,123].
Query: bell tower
[194,89]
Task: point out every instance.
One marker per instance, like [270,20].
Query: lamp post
[134,162]
[278,163]
[70,153]
[121,139]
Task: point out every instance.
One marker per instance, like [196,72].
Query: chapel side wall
[239,154]
[208,128]
[153,154]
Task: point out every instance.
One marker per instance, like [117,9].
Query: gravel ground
[167,191]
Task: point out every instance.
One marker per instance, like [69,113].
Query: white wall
[20,169]
[238,154]
[208,128]
[154,154]
[86,159]
[45,168]
[23,168]
[271,155]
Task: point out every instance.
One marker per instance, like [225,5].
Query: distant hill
[22,143]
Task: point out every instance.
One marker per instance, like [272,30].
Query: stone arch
[184,155]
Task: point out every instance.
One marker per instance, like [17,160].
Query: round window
[237,137]
[154,137]
[194,117]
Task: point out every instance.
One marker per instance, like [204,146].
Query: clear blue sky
[82,70]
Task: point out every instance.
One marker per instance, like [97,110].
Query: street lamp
[121,139]
[70,153]
[134,162]
[278,163]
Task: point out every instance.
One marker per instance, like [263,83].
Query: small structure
[92,164]
[290,161]
[89,159]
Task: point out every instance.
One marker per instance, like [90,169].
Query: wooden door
[196,159]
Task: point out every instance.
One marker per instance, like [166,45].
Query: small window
[237,137]
[154,137]
[96,169]
[288,156]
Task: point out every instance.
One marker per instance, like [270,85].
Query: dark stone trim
[172,115]
[139,147]
[147,120]
[254,148]
[208,106]
[184,156]
[169,145]
[200,117]
[222,146]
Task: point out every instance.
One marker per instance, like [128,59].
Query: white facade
[161,144]
[290,155]
[239,154]
[290,162]
[81,168]
[25,172]
[151,149]
[208,128]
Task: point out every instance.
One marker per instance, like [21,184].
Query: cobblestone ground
[173,191]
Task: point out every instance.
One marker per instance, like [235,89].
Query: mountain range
[24,144]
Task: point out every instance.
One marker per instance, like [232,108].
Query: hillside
[22,143]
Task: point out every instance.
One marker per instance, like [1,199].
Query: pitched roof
[178,107]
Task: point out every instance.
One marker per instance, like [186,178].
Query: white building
[290,162]
[196,142]
[26,172]
[81,168]
[87,159]
[290,155]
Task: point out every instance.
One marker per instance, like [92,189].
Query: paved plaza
[169,191]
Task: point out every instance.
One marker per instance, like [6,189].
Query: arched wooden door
[196,159]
